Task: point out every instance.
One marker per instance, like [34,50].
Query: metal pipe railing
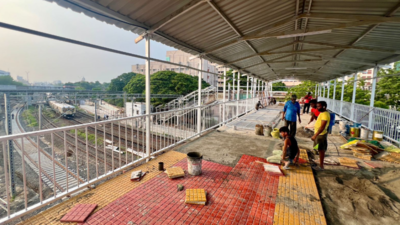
[387,121]
[60,167]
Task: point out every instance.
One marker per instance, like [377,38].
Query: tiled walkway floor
[244,194]
[298,200]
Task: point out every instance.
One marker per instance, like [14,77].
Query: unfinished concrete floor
[226,146]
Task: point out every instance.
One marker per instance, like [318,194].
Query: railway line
[92,150]
[128,135]
[53,173]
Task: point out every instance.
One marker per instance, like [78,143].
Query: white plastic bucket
[364,133]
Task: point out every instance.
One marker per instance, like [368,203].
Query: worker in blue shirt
[290,112]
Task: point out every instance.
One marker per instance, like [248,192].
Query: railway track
[54,174]
[128,134]
[103,154]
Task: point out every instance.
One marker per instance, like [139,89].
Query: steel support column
[341,96]
[10,145]
[353,99]
[199,98]
[334,90]
[95,110]
[224,97]
[233,85]
[329,88]
[147,90]
[372,100]
[247,93]
[323,94]
[238,95]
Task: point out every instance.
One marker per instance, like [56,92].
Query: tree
[279,86]
[8,80]
[301,89]
[118,83]
[164,82]
[230,78]
[387,90]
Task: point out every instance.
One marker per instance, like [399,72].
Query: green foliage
[8,80]
[363,95]
[300,90]
[118,83]
[387,90]
[79,88]
[29,117]
[91,137]
[279,86]
[164,82]
[229,79]
[87,86]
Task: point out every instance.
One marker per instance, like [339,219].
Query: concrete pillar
[147,96]
[372,100]
[199,98]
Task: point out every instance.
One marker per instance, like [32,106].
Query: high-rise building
[183,58]
[4,73]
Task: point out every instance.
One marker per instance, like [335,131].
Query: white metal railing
[59,161]
[372,118]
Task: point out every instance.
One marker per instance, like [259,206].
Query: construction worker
[291,109]
[320,137]
[290,148]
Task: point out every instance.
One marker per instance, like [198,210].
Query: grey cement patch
[226,146]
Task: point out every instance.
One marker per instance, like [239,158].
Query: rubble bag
[274,159]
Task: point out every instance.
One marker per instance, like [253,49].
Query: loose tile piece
[79,213]
[175,172]
[195,196]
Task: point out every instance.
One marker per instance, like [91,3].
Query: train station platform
[239,191]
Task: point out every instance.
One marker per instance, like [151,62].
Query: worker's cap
[294,97]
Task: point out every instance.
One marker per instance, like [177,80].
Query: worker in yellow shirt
[320,137]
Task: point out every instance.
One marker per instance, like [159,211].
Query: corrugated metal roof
[216,28]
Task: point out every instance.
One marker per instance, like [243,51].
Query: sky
[49,60]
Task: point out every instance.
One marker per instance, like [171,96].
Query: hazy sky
[49,60]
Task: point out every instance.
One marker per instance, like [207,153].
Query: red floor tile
[244,194]
[79,213]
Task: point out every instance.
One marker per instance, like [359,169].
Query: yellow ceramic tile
[298,201]
[175,172]
[195,196]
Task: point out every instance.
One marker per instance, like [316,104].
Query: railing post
[147,90]
[199,98]
[372,100]
[353,100]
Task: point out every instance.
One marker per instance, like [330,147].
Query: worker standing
[320,137]
[307,100]
[290,112]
